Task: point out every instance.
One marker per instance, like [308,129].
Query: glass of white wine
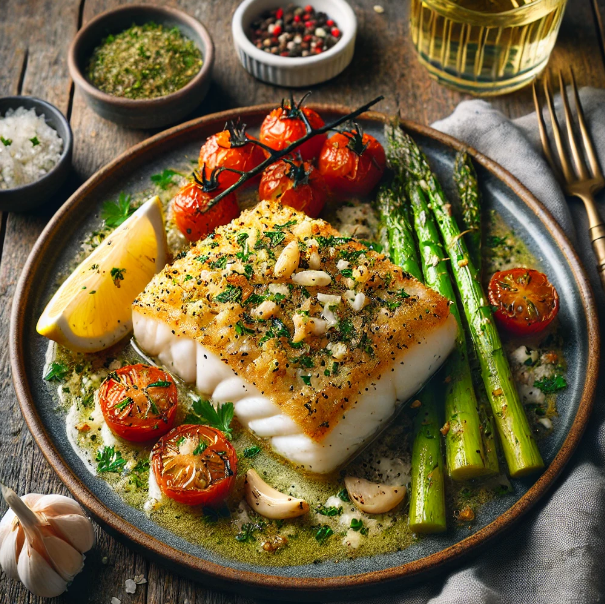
[485,47]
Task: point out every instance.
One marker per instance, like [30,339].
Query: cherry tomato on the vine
[195,465]
[352,162]
[138,402]
[230,148]
[285,125]
[192,212]
[524,300]
[296,184]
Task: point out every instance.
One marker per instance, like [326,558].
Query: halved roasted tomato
[138,402]
[524,300]
[195,465]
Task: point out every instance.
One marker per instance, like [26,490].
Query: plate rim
[235,579]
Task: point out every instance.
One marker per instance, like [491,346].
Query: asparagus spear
[520,449]
[396,232]
[427,496]
[464,451]
[468,190]
[470,198]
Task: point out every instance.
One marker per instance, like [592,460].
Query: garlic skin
[42,539]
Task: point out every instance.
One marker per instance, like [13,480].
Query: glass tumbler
[485,47]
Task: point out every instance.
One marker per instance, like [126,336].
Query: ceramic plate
[56,249]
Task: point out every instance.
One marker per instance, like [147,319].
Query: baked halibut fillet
[312,336]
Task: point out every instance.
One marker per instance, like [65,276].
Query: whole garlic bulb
[42,539]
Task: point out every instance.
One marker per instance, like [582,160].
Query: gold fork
[579,183]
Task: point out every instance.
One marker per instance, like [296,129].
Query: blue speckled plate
[60,242]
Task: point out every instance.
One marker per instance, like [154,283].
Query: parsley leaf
[275,237]
[356,524]
[109,460]
[34,141]
[306,379]
[160,384]
[204,413]
[343,495]
[164,179]
[252,451]
[122,404]
[114,213]
[347,272]
[286,225]
[329,511]
[552,384]
[495,241]
[231,293]
[219,263]
[241,329]
[117,275]
[7,142]
[56,373]
[247,532]
[254,299]
[323,533]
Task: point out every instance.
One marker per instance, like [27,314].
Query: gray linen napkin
[557,553]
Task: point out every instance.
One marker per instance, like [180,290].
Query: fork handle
[597,236]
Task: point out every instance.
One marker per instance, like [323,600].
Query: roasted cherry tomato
[524,299]
[352,162]
[192,215]
[138,402]
[195,465]
[230,148]
[296,184]
[284,125]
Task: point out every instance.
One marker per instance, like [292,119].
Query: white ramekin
[294,72]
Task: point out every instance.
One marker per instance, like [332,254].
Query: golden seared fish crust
[308,317]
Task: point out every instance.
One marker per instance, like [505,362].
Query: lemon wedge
[92,309]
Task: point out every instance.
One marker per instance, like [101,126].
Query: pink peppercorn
[278,29]
[335,32]
[330,23]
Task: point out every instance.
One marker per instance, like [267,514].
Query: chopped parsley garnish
[160,384]
[305,361]
[34,141]
[254,299]
[247,532]
[372,245]
[356,524]
[253,451]
[231,293]
[242,240]
[57,372]
[343,495]
[164,179]
[122,404]
[331,241]
[109,460]
[347,329]
[552,384]
[187,278]
[220,263]
[117,275]
[205,414]
[142,466]
[180,441]
[248,271]
[7,142]
[201,447]
[347,272]
[329,511]
[306,379]
[114,213]
[281,331]
[202,258]
[241,329]
[286,225]
[323,533]
[495,241]
[275,237]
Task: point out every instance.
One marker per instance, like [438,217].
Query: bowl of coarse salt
[35,152]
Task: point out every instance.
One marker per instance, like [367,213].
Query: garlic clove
[372,497]
[37,575]
[10,547]
[55,505]
[75,529]
[270,502]
[65,559]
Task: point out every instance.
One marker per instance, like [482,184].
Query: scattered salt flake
[378,9]
[130,586]
[116,601]
[139,579]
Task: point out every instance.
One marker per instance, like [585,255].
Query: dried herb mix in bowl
[144,62]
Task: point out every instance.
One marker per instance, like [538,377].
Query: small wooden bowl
[141,113]
[32,195]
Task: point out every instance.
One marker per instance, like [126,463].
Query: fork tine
[565,165]
[590,152]
[543,136]
[573,143]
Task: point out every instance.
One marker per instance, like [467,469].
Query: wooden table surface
[34,38]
